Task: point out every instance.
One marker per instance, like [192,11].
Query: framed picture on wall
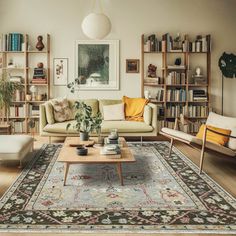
[132,65]
[60,71]
[97,64]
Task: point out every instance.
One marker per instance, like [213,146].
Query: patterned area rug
[160,194]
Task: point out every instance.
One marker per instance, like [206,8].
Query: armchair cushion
[178,134]
[224,122]
[213,137]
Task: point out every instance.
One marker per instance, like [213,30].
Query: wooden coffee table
[69,156]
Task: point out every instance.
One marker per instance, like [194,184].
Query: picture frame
[97,64]
[60,71]
[132,65]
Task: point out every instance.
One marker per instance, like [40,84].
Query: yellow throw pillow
[213,137]
[134,108]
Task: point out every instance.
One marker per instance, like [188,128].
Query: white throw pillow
[114,112]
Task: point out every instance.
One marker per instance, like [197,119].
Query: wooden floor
[220,168]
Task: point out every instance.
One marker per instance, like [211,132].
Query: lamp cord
[99,4]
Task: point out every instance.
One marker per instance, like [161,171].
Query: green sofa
[125,128]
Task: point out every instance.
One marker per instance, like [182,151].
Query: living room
[117,117]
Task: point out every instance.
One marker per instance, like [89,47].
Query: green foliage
[7,90]
[85,122]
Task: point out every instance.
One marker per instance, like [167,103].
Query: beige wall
[130,18]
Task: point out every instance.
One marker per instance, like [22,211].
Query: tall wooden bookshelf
[194,110]
[27,59]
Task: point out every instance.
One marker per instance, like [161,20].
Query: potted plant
[85,122]
[7,91]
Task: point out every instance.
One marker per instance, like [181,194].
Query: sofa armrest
[43,119]
[154,116]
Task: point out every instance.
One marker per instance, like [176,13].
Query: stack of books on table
[39,76]
[112,150]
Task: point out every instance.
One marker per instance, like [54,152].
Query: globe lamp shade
[96,26]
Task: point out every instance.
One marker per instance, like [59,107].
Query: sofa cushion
[93,103]
[60,127]
[122,126]
[126,127]
[105,102]
[224,122]
[147,115]
[49,113]
[114,112]
[61,109]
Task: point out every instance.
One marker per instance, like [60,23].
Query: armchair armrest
[213,131]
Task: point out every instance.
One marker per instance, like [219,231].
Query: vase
[84,136]
[40,45]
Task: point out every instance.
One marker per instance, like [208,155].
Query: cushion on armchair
[213,137]
[224,122]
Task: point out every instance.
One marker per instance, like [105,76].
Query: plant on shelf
[7,91]
[85,123]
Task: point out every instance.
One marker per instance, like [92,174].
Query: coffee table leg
[119,170]
[66,169]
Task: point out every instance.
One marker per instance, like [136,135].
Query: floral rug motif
[160,194]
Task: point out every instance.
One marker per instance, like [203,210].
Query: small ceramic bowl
[81,151]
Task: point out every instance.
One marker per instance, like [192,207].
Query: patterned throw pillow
[62,111]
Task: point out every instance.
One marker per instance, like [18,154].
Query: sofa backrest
[224,122]
[90,102]
[106,102]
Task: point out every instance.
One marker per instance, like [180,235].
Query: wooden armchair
[202,144]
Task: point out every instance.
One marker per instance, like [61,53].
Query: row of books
[17,111]
[197,95]
[175,110]
[19,126]
[11,42]
[21,110]
[39,76]
[197,111]
[33,110]
[19,96]
[166,43]
[177,95]
[194,128]
[176,78]
[160,95]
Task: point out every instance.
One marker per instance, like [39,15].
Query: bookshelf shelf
[178,82]
[22,110]
[154,85]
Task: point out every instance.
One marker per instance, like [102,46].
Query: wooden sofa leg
[141,140]
[171,145]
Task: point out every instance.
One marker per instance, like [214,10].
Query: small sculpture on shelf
[178,61]
[177,42]
[40,45]
[152,71]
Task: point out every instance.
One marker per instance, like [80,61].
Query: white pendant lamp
[96,25]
